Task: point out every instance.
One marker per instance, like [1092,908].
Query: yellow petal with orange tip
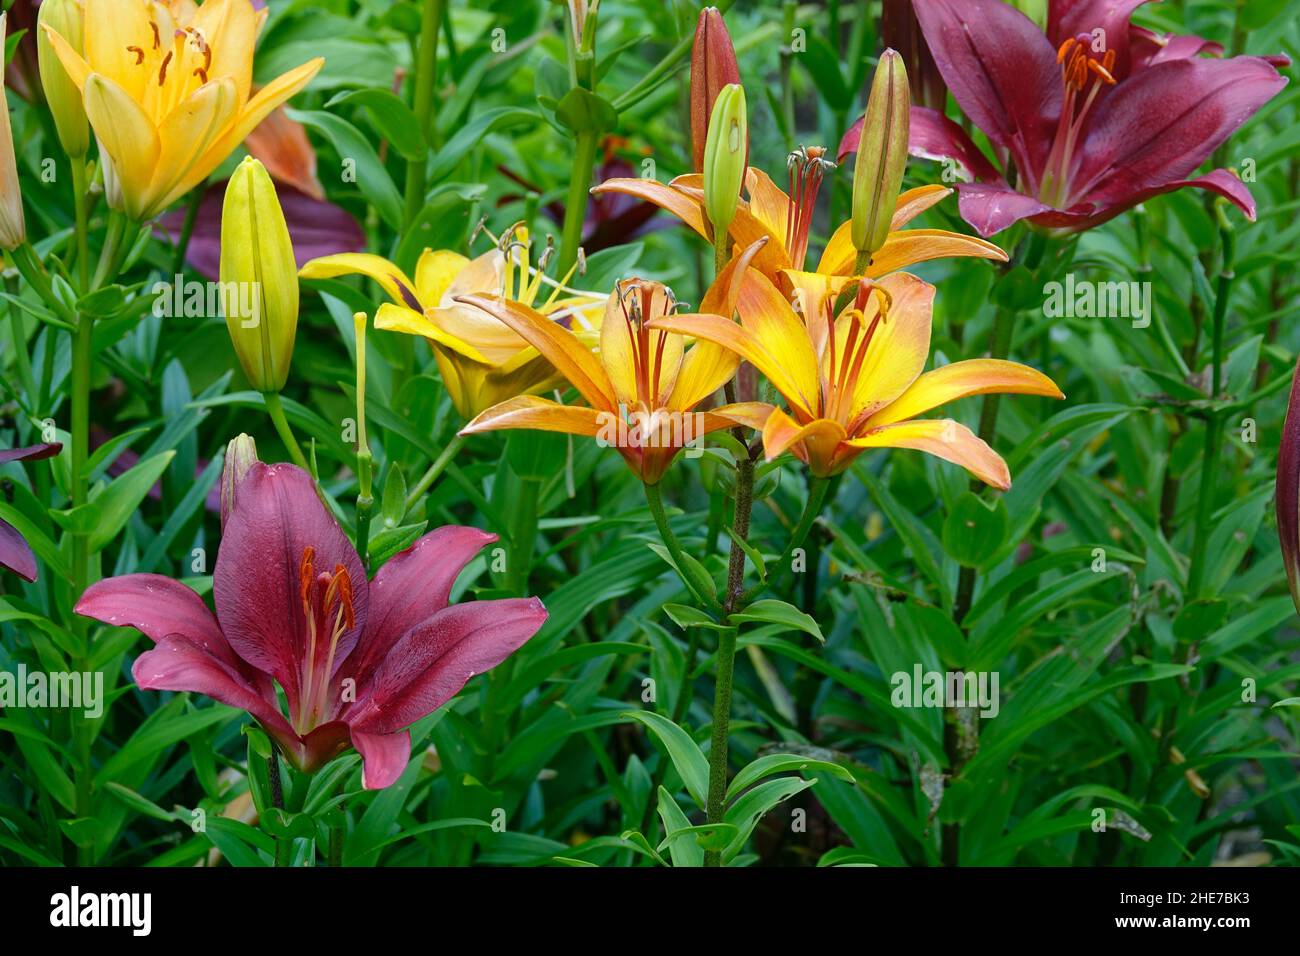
[128,137]
[633,359]
[815,295]
[686,208]
[944,439]
[767,202]
[766,313]
[904,248]
[781,433]
[961,380]
[389,277]
[913,202]
[540,414]
[708,366]
[749,414]
[558,345]
[900,347]
[398,318]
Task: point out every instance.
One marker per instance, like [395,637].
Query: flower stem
[523,535]
[575,204]
[426,70]
[429,477]
[654,499]
[81,206]
[715,807]
[1214,424]
[275,408]
[817,490]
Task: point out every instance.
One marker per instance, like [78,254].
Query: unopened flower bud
[713,66]
[882,154]
[13,230]
[259,278]
[241,455]
[724,157]
[65,17]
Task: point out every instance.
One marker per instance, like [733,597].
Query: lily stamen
[807,167]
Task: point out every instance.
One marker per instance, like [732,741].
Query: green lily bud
[259,278]
[241,455]
[64,17]
[882,154]
[724,157]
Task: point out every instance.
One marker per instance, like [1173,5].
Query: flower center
[843,368]
[642,303]
[327,607]
[807,166]
[1084,71]
[523,279]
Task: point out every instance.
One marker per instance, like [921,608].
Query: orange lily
[785,220]
[642,388]
[482,361]
[859,384]
[167,88]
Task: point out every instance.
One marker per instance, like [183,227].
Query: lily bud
[1287,491]
[724,157]
[259,278]
[241,455]
[13,230]
[65,18]
[882,154]
[713,66]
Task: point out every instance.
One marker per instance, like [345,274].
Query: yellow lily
[482,361]
[859,384]
[167,90]
[642,387]
[785,220]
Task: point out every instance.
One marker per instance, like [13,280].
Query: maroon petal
[933,136]
[317,228]
[156,606]
[433,660]
[990,208]
[178,663]
[15,553]
[1159,125]
[411,587]
[383,757]
[1220,181]
[1002,71]
[30,453]
[1069,18]
[257,579]
[1147,48]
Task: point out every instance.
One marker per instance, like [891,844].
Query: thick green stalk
[655,500]
[725,663]
[275,408]
[81,207]
[426,71]
[575,203]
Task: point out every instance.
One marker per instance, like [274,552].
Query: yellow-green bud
[13,229]
[241,455]
[882,154]
[725,150]
[64,17]
[259,279]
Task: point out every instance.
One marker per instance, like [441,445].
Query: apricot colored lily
[482,361]
[168,90]
[785,219]
[642,387]
[858,383]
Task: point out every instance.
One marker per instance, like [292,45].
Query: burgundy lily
[1287,491]
[358,661]
[1083,130]
[15,553]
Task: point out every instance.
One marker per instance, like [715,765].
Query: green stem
[187,230]
[429,477]
[114,251]
[22,360]
[1214,426]
[575,204]
[81,206]
[275,408]
[365,505]
[654,498]
[715,807]
[523,535]
[426,71]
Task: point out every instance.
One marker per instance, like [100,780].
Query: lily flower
[1085,130]
[642,388]
[168,91]
[357,661]
[855,381]
[785,220]
[1287,491]
[15,553]
[482,361]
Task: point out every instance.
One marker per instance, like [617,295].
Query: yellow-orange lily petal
[390,278]
[903,248]
[541,414]
[815,443]
[396,318]
[168,91]
[898,351]
[944,439]
[557,345]
[962,380]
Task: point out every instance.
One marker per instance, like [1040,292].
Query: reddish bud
[713,66]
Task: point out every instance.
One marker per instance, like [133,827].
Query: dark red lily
[358,661]
[1287,491]
[1083,130]
[15,553]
